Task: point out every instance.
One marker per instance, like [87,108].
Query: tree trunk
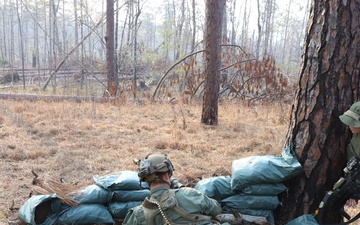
[214,11]
[179,31]
[134,44]
[4,51]
[194,25]
[76,29]
[259,31]
[329,84]
[82,49]
[21,42]
[284,51]
[112,78]
[116,44]
[245,24]
[267,33]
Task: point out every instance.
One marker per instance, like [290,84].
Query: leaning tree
[328,85]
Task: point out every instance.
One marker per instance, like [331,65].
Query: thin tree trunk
[82,48]
[137,12]
[12,42]
[76,31]
[259,31]
[284,51]
[194,25]
[179,31]
[4,51]
[244,29]
[21,39]
[116,37]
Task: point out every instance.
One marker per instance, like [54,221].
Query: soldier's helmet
[352,116]
[152,164]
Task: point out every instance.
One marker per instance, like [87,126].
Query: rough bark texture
[329,84]
[214,12]
[110,49]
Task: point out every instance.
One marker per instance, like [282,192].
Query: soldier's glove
[239,219]
[175,184]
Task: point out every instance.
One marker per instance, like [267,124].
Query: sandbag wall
[252,189]
[254,185]
[110,197]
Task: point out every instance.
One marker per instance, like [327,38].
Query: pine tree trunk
[214,15]
[110,52]
[329,84]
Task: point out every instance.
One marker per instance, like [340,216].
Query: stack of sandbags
[126,191]
[48,210]
[110,197]
[255,184]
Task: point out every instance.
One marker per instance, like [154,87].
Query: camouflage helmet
[352,116]
[152,164]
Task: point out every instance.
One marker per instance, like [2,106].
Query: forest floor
[72,142]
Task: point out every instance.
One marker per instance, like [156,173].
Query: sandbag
[86,214]
[240,201]
[264,189]
[307,219]
[264,169]
[120,209]
[92,194]
[130,195]
[215,187]
[122,180]
[39,208]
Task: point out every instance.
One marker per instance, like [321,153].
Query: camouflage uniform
[188,199]
[353,148]
[169,206]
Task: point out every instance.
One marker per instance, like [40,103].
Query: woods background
[62,43]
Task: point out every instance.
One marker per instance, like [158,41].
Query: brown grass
[75,141]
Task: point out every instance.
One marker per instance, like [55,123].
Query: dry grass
[74,141]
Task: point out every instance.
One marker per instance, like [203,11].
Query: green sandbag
[264,169]
[130,195]
[215,187]
[92,194]
[122,180]
[39,208]
[264,189]
[86,214]
[307,219]
[240,201]
[120,209]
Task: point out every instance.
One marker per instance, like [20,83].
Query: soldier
[352,119]
[170,206]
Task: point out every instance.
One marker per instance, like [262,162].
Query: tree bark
[329,84]
[214,11]
[113,81]
[257,53]
[194,25]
